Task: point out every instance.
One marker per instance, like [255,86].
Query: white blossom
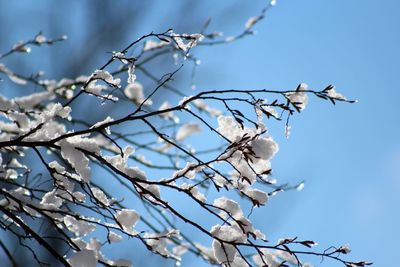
[228,233]
[150,45]
[100,123]
[168,115]
[202,106]
[13,77]
[250,22]
[158,241]
[332,93]
[230,206]
[194,191]
[223,252]
[229,128]
[100,196]
[127,219]
[189,171]
[120,263]
[21,47]
[131,75]
[79,196]
[187,41]
[113,237]
[271,111]
[207,253]
[77,159]
[299,98]
[264,148]
[107,77]
[79,227]
[300,186]
[187,130]
[258,196]
[266,259]
[40,38]
[51,200]
[180,249]
[345,249]
[134,91]
[238,261]
[84,258]
[95,89]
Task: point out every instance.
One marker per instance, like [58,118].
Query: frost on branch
[95,182]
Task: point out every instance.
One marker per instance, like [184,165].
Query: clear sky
[349,155]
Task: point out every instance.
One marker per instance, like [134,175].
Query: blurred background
[349,155]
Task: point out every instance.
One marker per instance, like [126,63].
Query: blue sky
[349,155]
